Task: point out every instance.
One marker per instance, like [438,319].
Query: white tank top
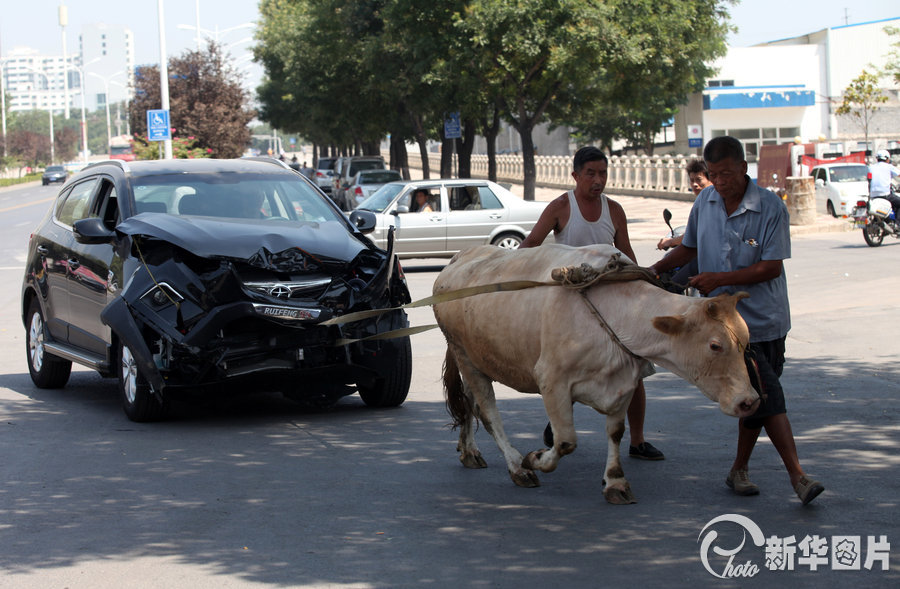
[579,232]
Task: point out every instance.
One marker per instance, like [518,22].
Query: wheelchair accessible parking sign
[158,128]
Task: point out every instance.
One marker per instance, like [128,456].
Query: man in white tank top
[585,216]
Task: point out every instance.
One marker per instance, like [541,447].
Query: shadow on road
[256,488]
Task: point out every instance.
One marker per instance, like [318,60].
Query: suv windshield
[229,195]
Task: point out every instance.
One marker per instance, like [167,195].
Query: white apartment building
[105,56]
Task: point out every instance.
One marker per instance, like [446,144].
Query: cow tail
[459,406]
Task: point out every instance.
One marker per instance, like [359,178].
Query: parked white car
[461,213]
[366,182]
[839,186]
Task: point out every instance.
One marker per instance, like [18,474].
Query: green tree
[861,100]
[536,56]
[206,101]
[673,42]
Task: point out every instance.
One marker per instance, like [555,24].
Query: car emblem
[280,291]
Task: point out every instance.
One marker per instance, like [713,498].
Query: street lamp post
[84,145]
[63,21]
[163,74]
[50,112]
[118,111]
[106,90]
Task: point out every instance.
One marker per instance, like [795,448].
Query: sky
[34,23]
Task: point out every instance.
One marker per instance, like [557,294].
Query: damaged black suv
[182,276]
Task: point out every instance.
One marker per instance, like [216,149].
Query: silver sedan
[437,218]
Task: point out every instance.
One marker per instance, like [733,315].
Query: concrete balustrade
[629,175]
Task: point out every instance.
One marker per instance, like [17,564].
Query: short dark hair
[697,166]
[723,147]
[586,154]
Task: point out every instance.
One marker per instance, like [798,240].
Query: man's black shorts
[770,361]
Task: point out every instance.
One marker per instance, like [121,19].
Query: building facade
[790,89]
[105,57]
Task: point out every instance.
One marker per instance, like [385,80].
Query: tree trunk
[464,148]
[529,171]
[447,149]
[422,141]
[399,156]
[490,131]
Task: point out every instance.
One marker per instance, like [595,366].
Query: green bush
[13,181]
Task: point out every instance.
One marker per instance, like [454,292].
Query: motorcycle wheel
[873,233]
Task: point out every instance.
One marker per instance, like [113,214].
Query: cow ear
[669,325]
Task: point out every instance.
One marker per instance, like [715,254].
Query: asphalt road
[254,492]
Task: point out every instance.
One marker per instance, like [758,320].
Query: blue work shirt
[759,229]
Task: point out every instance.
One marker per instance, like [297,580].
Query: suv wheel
[47,371]
[139,403]
[392,389]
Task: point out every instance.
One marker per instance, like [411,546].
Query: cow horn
[714,309]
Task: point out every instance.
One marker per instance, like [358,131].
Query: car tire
[830,208]
[139,403]
[392,389]
[47,371]
[509,241]
[44,182]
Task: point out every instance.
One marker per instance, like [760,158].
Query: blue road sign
[692,142]
[158,128]
[452,127]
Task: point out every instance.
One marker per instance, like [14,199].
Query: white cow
[548,340]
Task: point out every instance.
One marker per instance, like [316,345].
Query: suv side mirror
[363,220]
[92,231]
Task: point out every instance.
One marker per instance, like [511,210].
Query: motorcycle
[677,277]
[876,218]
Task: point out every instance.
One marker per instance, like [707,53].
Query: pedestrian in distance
[586,216]
[740,235]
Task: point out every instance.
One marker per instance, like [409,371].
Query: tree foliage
[206,102]
[345,73]
[861,100]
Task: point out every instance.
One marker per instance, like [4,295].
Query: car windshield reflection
[244,196]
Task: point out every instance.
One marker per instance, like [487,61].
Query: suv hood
[252,241]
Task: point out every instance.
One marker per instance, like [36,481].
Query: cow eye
[715,346]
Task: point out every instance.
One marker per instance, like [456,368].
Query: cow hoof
[618,496]
[533,461]
[472,460]
[525,478]
[530,462]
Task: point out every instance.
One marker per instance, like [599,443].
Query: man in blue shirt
[740,235]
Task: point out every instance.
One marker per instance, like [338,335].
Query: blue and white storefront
[766,96]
